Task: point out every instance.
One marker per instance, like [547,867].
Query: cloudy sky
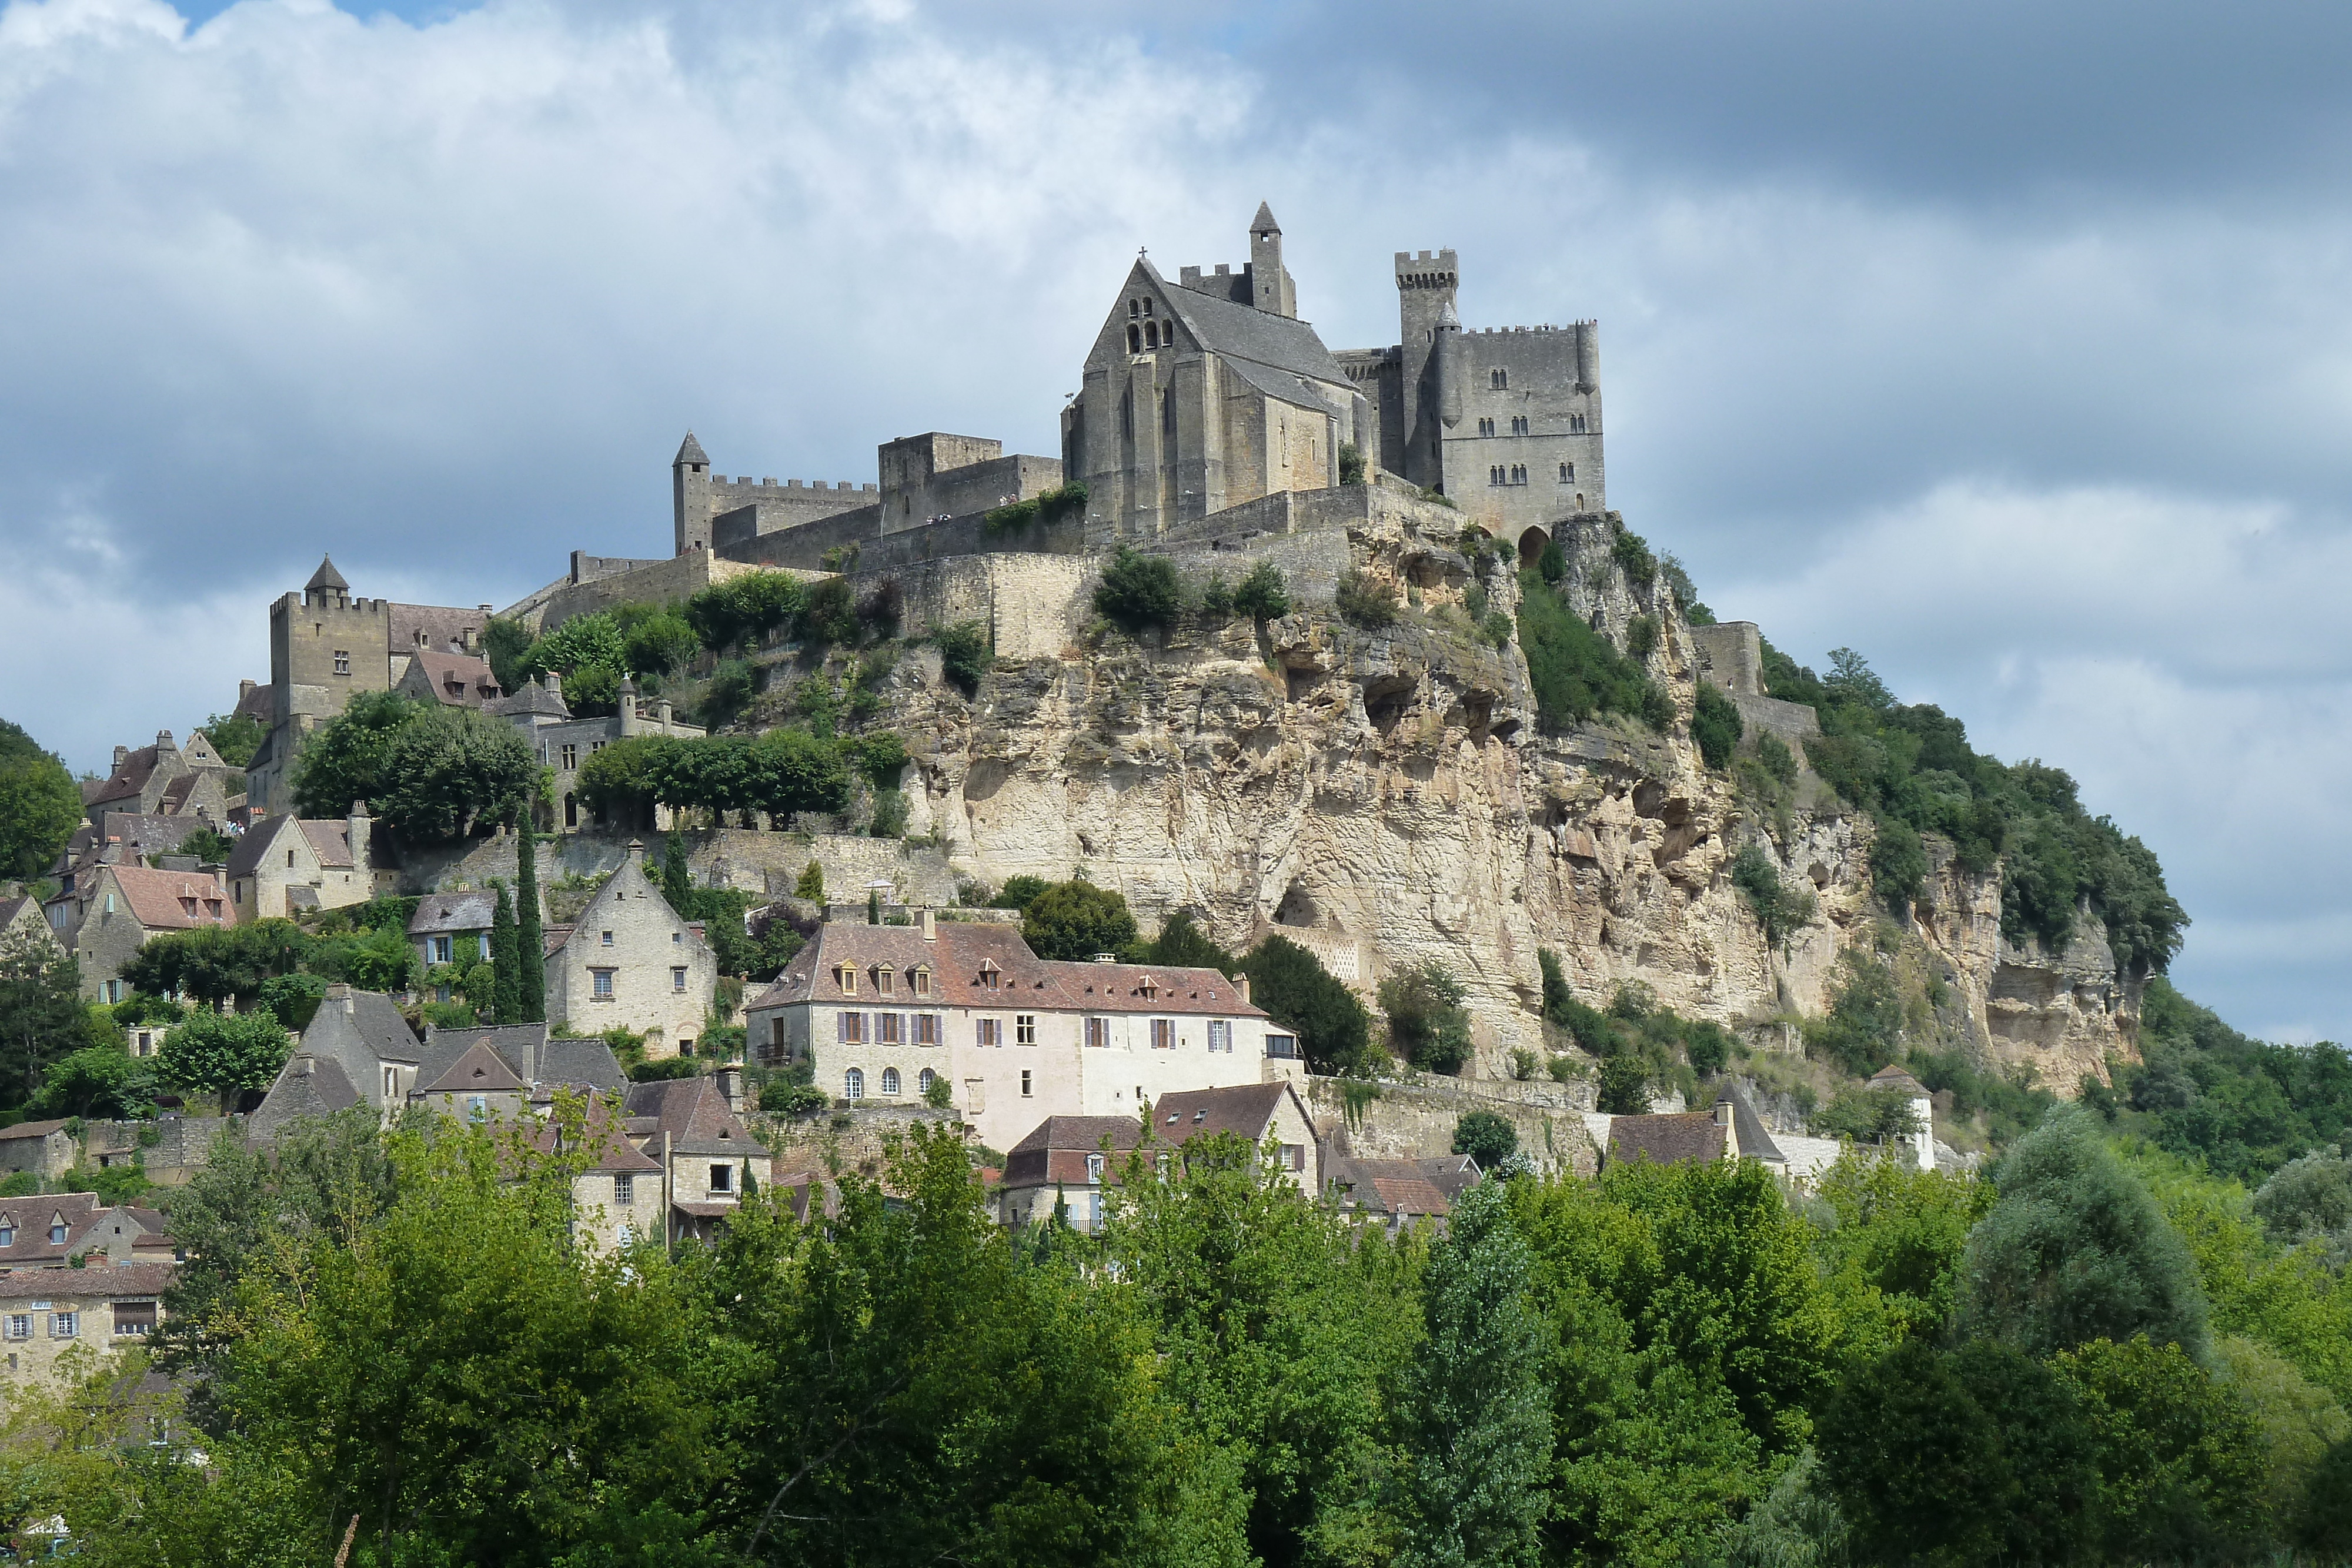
[2007,343]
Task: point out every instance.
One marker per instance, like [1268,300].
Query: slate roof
[154,896]
[1892,1077]
[1246,333]
[1666,1139]
[30,1130]
[308,1085]
[127,778]
[443,627]
[1264,223]
[438,911]
[120,1281]
[958,961]
[695,1115]
[12,908]
[326,576]
[534,698]
[690,451]
[605,1137]
[1754,1139]
[478,1071]
[529,1054]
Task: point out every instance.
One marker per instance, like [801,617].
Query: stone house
[453,928]
[23,915]
[565,744]
[43,1149]
[46,1315]
[284,865]
[125,906]
[120,837]
[633,961]
[618,1194]
[453,680]
[882,1012]
[1394,1194]
[164,780]
[49,1230]
[1073,1161]
[694,1129]
[356,1049]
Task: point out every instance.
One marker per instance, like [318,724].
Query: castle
[1204,395]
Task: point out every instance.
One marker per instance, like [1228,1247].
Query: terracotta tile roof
[32,1217]
[115,1281]
[1056,1149]
[438,912]
[605,1138]
[468,672]
[1244,1110]
[330,841]
[1665,1139]
[1410,1194]
[966,953]
[156,897]
[31,1130]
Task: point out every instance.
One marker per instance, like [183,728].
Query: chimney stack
[930,925]
[730,1086]
[1243,981]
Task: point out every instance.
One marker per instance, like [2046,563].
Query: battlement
[320,607]
[1494,331]
[1225,282]
[744,483]
[1425,270]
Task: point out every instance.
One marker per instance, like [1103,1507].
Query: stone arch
[1531,545]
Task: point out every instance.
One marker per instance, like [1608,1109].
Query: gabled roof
[31,1216]
[629,881]
[695,1115]
[30,1130]
[1055,1149]
[154,897]
[1665,1139]
[1244,1108]
[128,777]
[326,576]
[471,676]
[478,1070]
[963,952]
[120,1281]
[415,627]
[1749,1133]
[604,1139]
[308,1085]
[533,1058]
[1246,333]
[369,1018]
[438,911]
[534,698]
[330,841]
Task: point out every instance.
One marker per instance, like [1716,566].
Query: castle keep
[1206,394]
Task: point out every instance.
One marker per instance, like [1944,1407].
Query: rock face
[1387,797]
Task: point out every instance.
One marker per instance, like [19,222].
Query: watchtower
[324,645]
[689,490]
[1426,283]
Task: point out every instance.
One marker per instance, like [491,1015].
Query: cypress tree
[506,970]
[676,882]
[530,941]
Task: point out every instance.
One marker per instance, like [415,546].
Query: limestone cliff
[1387,797]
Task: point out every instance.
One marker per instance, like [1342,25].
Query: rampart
[650,582]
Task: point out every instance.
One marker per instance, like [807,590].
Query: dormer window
[58,1231]
[885,981]
[922,982]
[8,1231]
[845,977]
[987,973]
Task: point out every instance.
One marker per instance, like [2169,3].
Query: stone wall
[676,580]
[182,1145]
[1416,1120]
[826,1142]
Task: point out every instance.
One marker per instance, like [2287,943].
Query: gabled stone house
[565,744]
[693,1127]
[453,928]
[164,780]
[43,1149]
[48,1314]
[284,865]
[453,680]
[1072,1160]
[633,961]
[356,1049]
[127,905]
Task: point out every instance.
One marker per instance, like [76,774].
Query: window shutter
[841,1028]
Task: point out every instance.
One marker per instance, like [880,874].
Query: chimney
[1723,1109]
[121,754]
[635,853]
[930,925]
[244,690]
[363,836]
[662,712]
[730,1086]
[163,741]
[555,683]
[1243,981]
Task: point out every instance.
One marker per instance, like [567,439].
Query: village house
[565,744]
[50,1230]
[44,1149]
[883,1012]
[22,915]
[631,961]
[1070,1162]
[47,1313]
[617,1195]
[164,780]
[285,865]
[694,1128]
[453,929]
[356,1049]
[453,680]
[126,904]
[1731,1130]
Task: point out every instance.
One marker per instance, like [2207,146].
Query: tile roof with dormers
[431,628]
[965,956]
[120,1281]
[458,680]
[160,900]
[1244,1110]
[29,1223]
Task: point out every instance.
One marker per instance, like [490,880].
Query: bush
[811,885]
[889,814]
[938,1094]
[1365,602]
[1351,463]
[1898,861]
[1019,892]
[1428,1025]
[1717,726]
[1049,507]
[1642,636]
[1551,564]
[1780,910]
[1575,672]
[1138,591]
[1866,1116]
[1262,594]
[226,1053]
[1633,559]
[293,998]
[1076,920]
[1524,1063]
[1484,1137]
[733,687]
[829,618]
[1297,992]
[1778,759]
[965,656]
[1864,1024]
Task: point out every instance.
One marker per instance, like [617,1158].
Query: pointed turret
[327,576]
[1271,290]
[689,490]
[1264,223]
[690,451]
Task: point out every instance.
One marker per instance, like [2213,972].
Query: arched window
[923,1083]
[1567,472]
[1152,334]
[1498,380]
[852,1085]
[1580,501]
[570,810]
[889,1080]
[1134,338]
[1135,307]
[1518,474]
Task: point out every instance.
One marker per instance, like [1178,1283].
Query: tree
[1898,861]
[1182,945]
[1478,1435]
[1484,1137]
[1780,911]
[2180,1456]
[39,805]
[450,771]
[1076,920]
[1018,891]
[2075,1249]
[505,962]
[228,1053]
[41,1015]
[1428,1025]
[965,655]
[1295,988]
[676,879]
[236,735]
[100,1080]
[811,883]
[344,759]
[1138,591]
[506,643]
[1715,727]
[530,938]
[1261,595]
[219,964]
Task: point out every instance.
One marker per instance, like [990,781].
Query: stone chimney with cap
[361,829]
[730,1083]
[1243,981]
[930,925]
[121,754]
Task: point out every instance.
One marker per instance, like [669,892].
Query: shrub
[1641,636]
[1524,1063]
[1365,602]
[1863,1026]
[1678,579]
[1428,1025]
[1496,627]
[1484,1137]
[655,640]
[965,655]
[1351,463]
[1866,1116]
[889,814]
[829,617]
[1778,759]
[1051,506]
[1262,594]
[1295,988]
[733,687]
[1575,672]
[1898,861]
[1138,591]
[1780,910]
[228,1053]
[1216,602]
[1717,726]
[1076,920]
[1633,559]
[811,885]
[938,1094]
[1551,565]
[1019,891]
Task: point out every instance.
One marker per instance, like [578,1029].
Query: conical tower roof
[326,576]
[690,452]
[1264,223]
[1446,318]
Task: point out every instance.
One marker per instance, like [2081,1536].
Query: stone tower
[689,489]
[1425,289]
[1270,281]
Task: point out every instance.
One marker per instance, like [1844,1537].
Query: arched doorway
[1531,545]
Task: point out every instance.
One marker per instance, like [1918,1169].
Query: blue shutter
[840,1028]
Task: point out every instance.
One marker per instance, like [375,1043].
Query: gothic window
[1567,472]
[1135,307]
[1518,474]
[1498,380]
[1485,427]
[1134,338]
[1518,427]
[1495,474]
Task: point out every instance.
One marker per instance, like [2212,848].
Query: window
[113,990]
[1282,1047]
[8,1234]
[988,1031]
[845,977]
[57,1233]
[921,980]
[1025,1030]
[1152,334]
[1099,1032]
[1163,1034]
[1498,380]
[677,978]
[391,1081]
[342,661]
[1575,424]
[571,756]
[604,939]
[482,944]
[441,949]
[625,1191]
[1094,1167]
[1024,1084]
[1495,473]
[65,1325]
[885,981]
[1134,338]
[603,989]
[134,1318]
[1567,472]
[722,1178]
[188,907]
[1135,307]
[987,973]
[1221,1034]
[852,1028]
[570,809]
[686,1048]
[1294,1156]
[477,1108]
[290,860]
[1520,426]
[927,1029]
[889,1080]
[1147,306]
[1518,472]
[1485,427]
[924,1081]
[852,1085]
[888,1030]
[20,1325]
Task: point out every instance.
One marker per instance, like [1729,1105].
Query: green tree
[1365,600]
[101,1079]
[505,962]
[228,1053]
[1781,911]
[1901,1233]
[1428,1025]
[676,879]
[2180,1456]
[1715,727]
[964,655]
[1576,674]
[39,805]
[656,640]
[1261,595]
[1478,1435]
[236,735]
[345,759]
[1297,992]
[1898,861]
[2077,1249]
[1076,920]
[2309,1198]
[1484,1137]
[41,1014]
[1138,591]
[530,937]
[506,643]
[1019,891]
[1182,944]
[452,771]
[811,885]
[293,999]
[220,964]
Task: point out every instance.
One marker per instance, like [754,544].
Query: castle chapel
[1208,393]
